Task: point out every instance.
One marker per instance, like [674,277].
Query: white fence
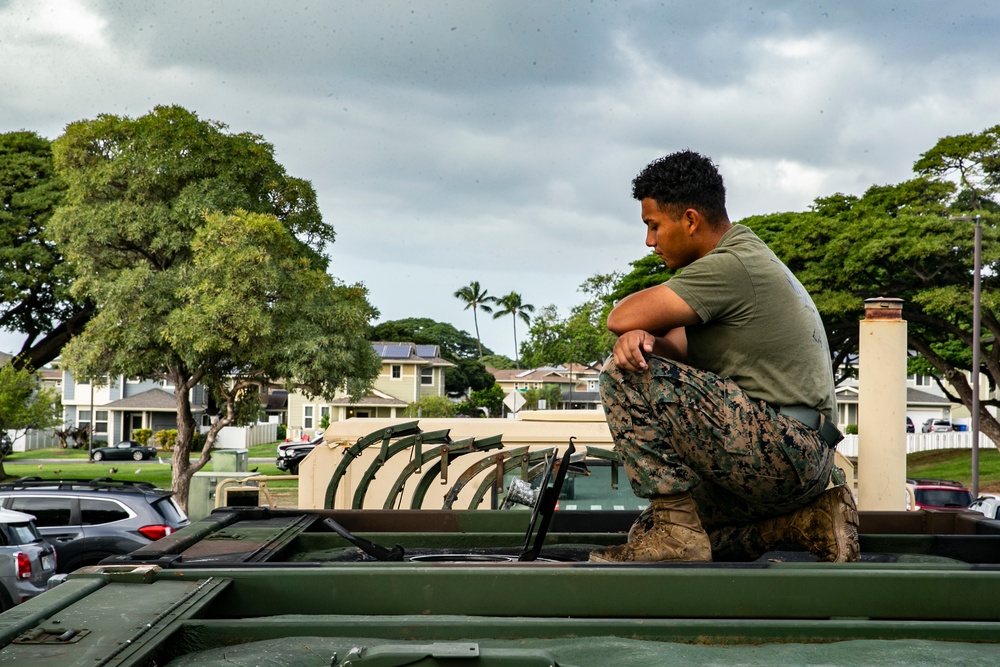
[244,437]
[922,442]
[31,440]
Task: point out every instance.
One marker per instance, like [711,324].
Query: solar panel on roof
[395,351]
[427,351]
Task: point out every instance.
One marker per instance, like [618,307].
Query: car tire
[293,469]
[5,600]
[137,456]
[97,456]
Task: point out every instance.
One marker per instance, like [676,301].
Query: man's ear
[693,221]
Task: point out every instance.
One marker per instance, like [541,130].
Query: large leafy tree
[203,260]
[477,299]
[24,404]
[582,337]
[456,346]
[34,279]
[512,304]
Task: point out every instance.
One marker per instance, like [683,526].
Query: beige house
[578,384]
[409,372]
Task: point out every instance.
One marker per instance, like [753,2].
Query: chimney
[882,406]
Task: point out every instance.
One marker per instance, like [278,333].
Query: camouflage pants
[678,429]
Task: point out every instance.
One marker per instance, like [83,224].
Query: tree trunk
[183,468]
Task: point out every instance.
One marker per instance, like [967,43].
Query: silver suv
[26,560]
[89,520]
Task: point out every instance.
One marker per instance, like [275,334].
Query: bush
[199,442]
[166,439]
[430,407]
[142,435]
[282,432]
[851,429]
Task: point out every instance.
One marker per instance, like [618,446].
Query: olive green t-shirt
[759,326]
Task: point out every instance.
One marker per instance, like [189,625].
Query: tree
[513,305]
[498,361]
[34,279]
[24,404]
[490,398]
[581,338]
[202,257]
[550,393]
[476,299]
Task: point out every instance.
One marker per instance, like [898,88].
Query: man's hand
[630,348]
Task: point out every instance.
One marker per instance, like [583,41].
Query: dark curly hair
[684,180]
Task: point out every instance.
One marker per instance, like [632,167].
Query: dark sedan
[124,450]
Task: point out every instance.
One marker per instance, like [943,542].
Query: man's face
[669,237]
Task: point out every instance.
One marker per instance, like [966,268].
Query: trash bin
[201,499]
[230,460]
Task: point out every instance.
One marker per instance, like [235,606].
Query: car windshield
[170,511]
[22,533]
[943,497]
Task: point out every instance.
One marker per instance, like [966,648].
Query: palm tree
[477,300]
[512,305]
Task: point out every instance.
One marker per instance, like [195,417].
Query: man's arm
[650,321]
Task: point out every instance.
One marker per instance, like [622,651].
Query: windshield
[943,497]
[22,533]
[170,511]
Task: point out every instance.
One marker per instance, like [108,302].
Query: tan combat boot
[668,530]
[827,527]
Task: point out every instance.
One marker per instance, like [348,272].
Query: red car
[939,494]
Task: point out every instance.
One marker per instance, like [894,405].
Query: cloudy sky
[496,141]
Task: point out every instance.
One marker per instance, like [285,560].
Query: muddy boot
[668,530]
[827,527]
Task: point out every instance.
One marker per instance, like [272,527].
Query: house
[124,405]
[534,378]
[578,383]
[409,372]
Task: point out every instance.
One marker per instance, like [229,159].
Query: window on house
[427,375]
[307,416]
[397,371]
[100,423]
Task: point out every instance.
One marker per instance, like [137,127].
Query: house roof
[151,400]
[913,397]
[401,352]
[376,398]
[543,375]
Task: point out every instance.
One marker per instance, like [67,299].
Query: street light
[977,267]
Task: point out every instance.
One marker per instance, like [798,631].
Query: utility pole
[976,336]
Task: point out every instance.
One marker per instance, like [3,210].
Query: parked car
[988,505]
[936,426]
[124,450]
[291,454]
[939,494]
[909,425]
[88,520]
[27,561]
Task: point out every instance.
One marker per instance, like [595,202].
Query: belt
[814,420]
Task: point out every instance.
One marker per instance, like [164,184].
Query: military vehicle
[260,586]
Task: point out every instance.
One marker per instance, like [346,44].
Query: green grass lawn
[956,464]
[74,464]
